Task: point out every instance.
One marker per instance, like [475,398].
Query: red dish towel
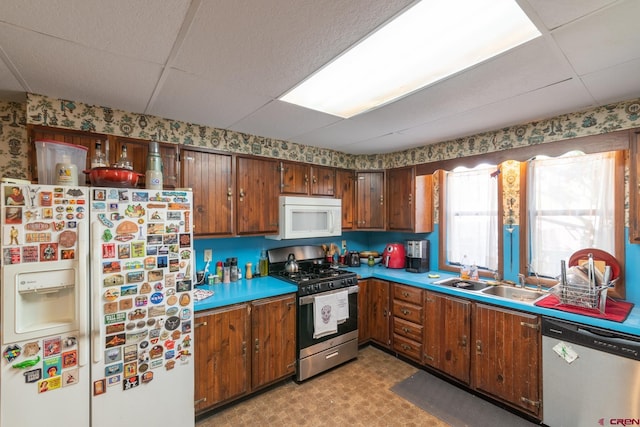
[614,310]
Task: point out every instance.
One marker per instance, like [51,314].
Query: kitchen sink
[456,282]
[513,293]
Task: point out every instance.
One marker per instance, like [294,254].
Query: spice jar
[249,273]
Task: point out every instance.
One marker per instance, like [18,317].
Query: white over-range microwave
[306,217]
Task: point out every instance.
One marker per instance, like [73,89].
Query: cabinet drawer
[407,329]
[407,311]
[407,347]
[407,293]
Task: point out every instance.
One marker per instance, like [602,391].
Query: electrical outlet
[208,255]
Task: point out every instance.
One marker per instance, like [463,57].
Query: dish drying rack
[590,295]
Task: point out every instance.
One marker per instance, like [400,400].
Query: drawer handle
[197,325]
[405,294]
[405,347]
[406,330]
[405,311]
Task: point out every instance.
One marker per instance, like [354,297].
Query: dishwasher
[590,376]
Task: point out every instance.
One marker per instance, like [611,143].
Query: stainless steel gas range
[323,292]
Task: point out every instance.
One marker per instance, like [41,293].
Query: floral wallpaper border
[47,111]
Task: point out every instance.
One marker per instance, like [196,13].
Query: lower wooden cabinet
[507,356]
[273,335]
[447,335]
[407,321]
[242,348]
[221,363]
[363,312]
[378,313]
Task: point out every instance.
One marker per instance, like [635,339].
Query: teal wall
[247,249]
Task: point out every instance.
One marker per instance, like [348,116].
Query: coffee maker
[417,256]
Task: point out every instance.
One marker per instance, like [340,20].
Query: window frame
[619,240]
[443,265]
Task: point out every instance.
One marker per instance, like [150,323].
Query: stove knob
[331,285]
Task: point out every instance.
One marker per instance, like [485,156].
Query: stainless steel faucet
[537,278]
[520,281]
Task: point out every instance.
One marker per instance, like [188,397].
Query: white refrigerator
[96,309]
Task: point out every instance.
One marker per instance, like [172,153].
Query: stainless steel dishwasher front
[590,376]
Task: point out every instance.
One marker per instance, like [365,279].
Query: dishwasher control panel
[617,343]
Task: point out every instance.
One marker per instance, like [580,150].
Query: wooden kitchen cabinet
[447,335]
[345,190]
[370,202]
[210,176]
[323,180]
[507,356]
[407,310]
[294,178]
[256,196]
[273,335]
[379,313]
[409,200]
[221,363]
[364,335]
[303,179]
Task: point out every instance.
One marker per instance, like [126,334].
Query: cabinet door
[220,356]
[380,316]
[294,178]
[400,190]
[370,207]
[345,190]
[273,333]
[507,356]
[257,196]
[363,312]
[323,181]
[210,176]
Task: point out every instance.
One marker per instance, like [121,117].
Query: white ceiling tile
[270,46]
[612,84]
[281,120]
[140,29]
[186,97]
[67,70]
[555,13]
[10,89]
[603,39]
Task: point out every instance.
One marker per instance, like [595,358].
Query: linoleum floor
[355,394]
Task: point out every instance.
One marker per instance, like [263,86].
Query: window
[570,206]
[470,218]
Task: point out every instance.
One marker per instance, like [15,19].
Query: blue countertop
[242,291]
[264,287]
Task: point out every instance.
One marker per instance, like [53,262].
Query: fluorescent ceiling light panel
[428,42]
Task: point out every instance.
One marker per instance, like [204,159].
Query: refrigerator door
[44,377]
[142,314]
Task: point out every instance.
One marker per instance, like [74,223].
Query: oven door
[347,329]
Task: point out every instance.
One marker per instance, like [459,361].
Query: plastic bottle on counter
[233,266]
[219,270]
[66,172]
[473,272]
[226,273]
[465,269]
[263,264]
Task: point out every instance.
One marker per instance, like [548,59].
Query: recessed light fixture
[428,42]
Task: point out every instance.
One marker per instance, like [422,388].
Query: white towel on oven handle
[342,313]
[325,322]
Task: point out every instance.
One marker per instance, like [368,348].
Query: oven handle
[309,298]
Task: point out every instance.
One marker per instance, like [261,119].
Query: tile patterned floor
[355,394]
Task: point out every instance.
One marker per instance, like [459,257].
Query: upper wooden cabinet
[410,201]
[256,196]
[210,176]
[345,190]
[370,202]
[304,179]
[634,188]
[137,150]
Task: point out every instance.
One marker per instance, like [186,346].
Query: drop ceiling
[224,63]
